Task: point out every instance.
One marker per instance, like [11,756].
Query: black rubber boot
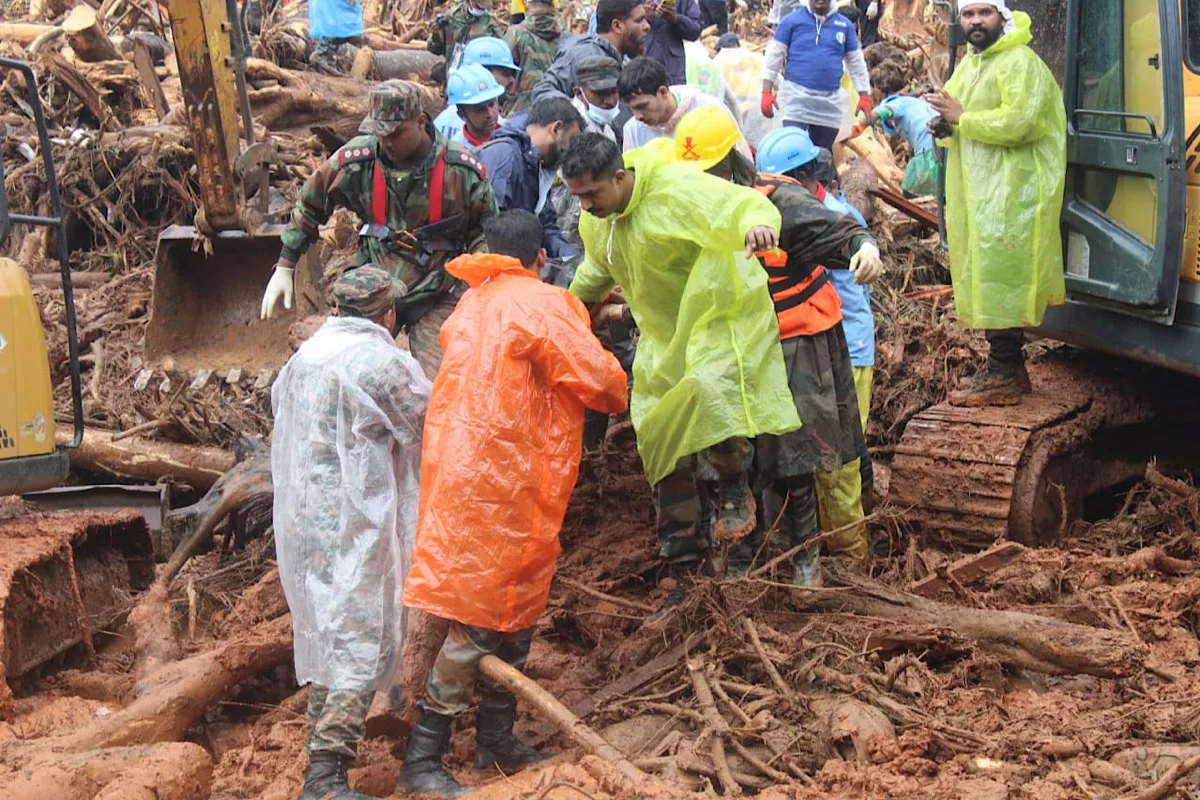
[495,744]
[326,778]
[423,770]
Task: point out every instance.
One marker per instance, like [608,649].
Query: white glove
[282,284]
[866,265]
[873,9]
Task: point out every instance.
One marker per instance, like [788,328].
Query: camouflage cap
[367,291]
[598,73]
[392,102]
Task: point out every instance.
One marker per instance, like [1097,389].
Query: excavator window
[1191,40]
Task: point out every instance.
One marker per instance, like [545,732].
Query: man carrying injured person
[810,326]
[503,441]
[349,407]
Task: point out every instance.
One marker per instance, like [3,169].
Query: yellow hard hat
[704,136]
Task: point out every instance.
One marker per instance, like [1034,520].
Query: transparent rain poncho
[345,460]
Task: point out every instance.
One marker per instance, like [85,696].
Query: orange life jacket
[806,301]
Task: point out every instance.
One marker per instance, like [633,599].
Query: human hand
[865,106]
[282,285]
[945,104]
[760,238]
[768,104]
[667,11]
[873,9]
[609,312]
[866,265]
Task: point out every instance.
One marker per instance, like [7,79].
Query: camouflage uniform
[456,671]
[346,179]
[533,43]
[337,719]
[457,25]
[685,499]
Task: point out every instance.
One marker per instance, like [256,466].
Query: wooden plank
[970,568]
[144,63]
[628,683]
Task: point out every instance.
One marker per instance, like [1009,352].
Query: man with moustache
[621,28]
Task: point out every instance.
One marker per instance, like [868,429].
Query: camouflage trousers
[423,340]
[684,500]
[793,502]
[337,719]
[455,674]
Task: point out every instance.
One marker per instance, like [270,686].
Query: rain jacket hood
[709,366]
[1005,173]
[503,440]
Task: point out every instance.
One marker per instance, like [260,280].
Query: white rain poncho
[345,460]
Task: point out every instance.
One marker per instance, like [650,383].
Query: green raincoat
[1005,171]
[709,365]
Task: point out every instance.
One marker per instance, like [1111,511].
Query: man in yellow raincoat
[503,440]
[709,370]
[1005,129]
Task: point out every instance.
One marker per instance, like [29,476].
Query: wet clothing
[857,319]
[456,26]
[349,408]
[534,44]
[347,179]
[334,20]
[455,675]
[514,166]
[337,719]
[797,521]
[664,42]
[559,77]
[847,494]
[1005,173]
[502,445]
[685,499]
[1006,350]
[812,54]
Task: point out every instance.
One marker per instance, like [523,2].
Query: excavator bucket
[204,311]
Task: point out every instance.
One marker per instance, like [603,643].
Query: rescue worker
[496,475]
[621,28]
[657,106]
[812,46]
[349,408]
[493,53]
[522,160]
[422,199]
[596,96]
[672,22]
[810,326]
[332,23]
[907,117]
[472,113]
[460,23]
[1005,173]
[533,43]
[699,389]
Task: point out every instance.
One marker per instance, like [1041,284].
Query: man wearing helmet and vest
[422,199]
[493,53]
[459,24]
[809,312]
[472,112]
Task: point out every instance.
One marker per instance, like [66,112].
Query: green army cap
[367,291]
[392,102]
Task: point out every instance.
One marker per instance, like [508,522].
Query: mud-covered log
[170,771]
[140,459]
[85,33]
[1019,639]
[409,65]
[22,33]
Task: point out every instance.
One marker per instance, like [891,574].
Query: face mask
[603,116]
[476,12]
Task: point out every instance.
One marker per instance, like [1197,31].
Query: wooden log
[969,569]
[170,771]
[548,706]
[1022,640]
[82,88]
[22,33]
[79,280]
[143,460]
[84,30]
[144,62]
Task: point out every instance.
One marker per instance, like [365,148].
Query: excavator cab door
[1124,206]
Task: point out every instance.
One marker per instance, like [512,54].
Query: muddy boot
[993,388]
[801,524]
[736,509]
[423,770]
[495,744]
[326,778]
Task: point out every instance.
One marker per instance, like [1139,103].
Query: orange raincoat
[503,439]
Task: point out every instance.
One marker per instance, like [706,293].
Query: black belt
[791,302]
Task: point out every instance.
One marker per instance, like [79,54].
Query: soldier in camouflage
[533,43]
[387,177]
[460,23]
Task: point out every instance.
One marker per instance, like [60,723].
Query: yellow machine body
[26,399]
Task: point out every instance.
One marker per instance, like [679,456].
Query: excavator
[209,276]
[1125,392]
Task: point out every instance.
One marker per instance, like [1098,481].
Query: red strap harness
[437,185]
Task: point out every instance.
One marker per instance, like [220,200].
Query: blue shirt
[909,115]
[816,49]
[857,320]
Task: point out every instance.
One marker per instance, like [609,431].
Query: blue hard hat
[471,85]
[782,150]
[490,52]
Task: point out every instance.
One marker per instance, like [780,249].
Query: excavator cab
[209,277]
[29,459]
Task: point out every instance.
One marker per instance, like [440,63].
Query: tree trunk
[139,459]
[173,771]
[1022,640]
[22,33]
[85,33]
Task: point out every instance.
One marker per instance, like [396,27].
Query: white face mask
[603,116]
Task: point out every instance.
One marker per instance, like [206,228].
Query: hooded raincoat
[708,366]
[1005,172]
[345,459]
[503,439]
